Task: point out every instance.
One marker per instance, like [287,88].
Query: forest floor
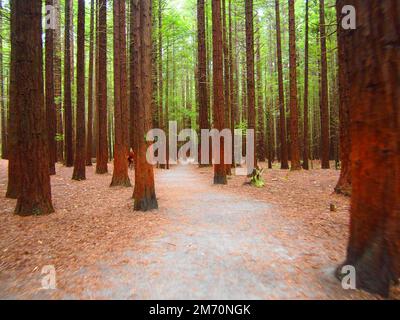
[205,241]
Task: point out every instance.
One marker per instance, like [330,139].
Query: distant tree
[102,135]
[69,151]
[306,147]
[89,135]
[282,115]
[251,95]
[51,119]
[121,147]
[202,67]
[325,141]
[80,140]
[218,85]
[294,113]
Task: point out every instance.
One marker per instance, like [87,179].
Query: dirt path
[216,245]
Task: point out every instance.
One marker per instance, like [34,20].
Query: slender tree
[344,184]
[261,152]
[294,114]
[51,119]
[306,137]
[80,140]
[202,68]
[282,116]
[57,82]
[374,104]
[3,111]
[102,143]
[251,95]
[325,141]
[89,135]
[218,84]
[27,98]
[144,193]
[69,152]
[121,147]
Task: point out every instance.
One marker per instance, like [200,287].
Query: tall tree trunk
[160,72]
[50,102]
[294,114]
[282,116]
[69,153]
[58,83]
[80,140]
[144,193]
[251,95]
[121,147]
[306,137]
[28,99]
[344,184]
[102,144]
[374,104]
[324,90]
[3,114]
[89,136]
[261,152]
[218,85]
[227,71]
[202,73]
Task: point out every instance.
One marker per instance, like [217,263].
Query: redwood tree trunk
[344,184]
[69,155]
[306,147]
[218,85]
[102,144]
[28,98]
[51,119]
[251,95]
[374,104]
[282,115]
[121,146]
[294,114]
[261,150]
[89,136]
[57,83]
[80,141]
[324,90]
[144,194]
[202,73]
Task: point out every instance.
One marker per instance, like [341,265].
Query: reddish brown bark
[218,85]
[251,94]
[80,140]
[294,113]
[57,83]
[121,147]
[27,97]
[344,184]
[261,150]
[69,152]
[306,137]
[374,104]
[49,98]
[102,135]
[282,116]
[144,193]
[202,69]
[325,141]
[89,135]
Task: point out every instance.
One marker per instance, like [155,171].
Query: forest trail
[205,242]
